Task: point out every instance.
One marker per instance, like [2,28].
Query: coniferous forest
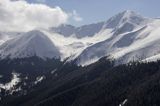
[99,84]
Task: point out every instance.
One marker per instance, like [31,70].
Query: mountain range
[126,37]
[66,58]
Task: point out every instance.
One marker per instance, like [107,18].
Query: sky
[90,11]
[26,15]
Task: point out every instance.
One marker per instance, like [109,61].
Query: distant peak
[126,16]
[32,43]
[33,32]
[129,13]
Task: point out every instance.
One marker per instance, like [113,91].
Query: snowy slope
[73,46]
[33,43]
[134,38]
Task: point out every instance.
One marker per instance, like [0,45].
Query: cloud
[22,16]
[76,16]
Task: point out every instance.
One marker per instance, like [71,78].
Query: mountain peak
[126,16]
[34,34]
[33,43]
[129,12]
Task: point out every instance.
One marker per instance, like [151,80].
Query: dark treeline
[99,84]
[137,83]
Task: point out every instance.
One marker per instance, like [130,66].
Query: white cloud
[76,16]
[22,16]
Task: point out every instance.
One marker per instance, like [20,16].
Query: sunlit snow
[10,85]
[39,79]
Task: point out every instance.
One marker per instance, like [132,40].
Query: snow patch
[39,79]
[10,86]
[124,102]
[52,72]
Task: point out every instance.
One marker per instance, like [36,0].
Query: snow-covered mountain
[38,55]
[133,38]
[126,36]
[33,43]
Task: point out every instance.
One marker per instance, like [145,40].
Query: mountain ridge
[123,34]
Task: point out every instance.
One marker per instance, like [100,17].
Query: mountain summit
[126,20]
[133,37]
[33,43]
